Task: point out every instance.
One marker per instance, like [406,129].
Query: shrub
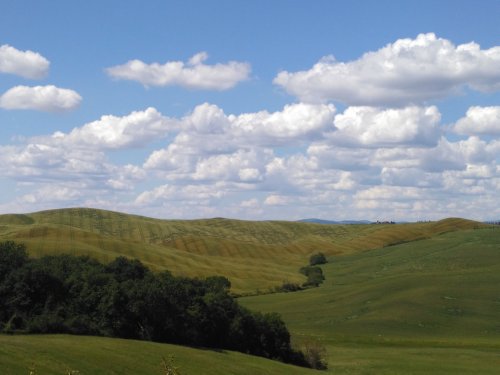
[314,275]
[168,367]
[316,259]
[315,355]
[289,287]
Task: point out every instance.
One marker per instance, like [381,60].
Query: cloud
[125,176]
[392,193]
[27,64]
[51,193]
[394,199]
[338,157]
[409,177]
[480,121]
[250,203]
[455,156]
[408,71]
[301,161]
[243,165]
[40,98]
[240,146]
[296,124]
[373,127]
[193,75]
[42,163]
[114,132]
[276,200]
[187,193]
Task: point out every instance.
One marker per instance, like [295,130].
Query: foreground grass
[58,354]
[253,255]
[361,359]
[425,307]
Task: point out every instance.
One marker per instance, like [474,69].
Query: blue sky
[252,109]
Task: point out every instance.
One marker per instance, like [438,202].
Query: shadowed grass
[56,354]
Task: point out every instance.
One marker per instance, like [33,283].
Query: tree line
[79,295]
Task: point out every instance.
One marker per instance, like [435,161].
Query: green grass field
[418,298]
[253,255]
[58,354]
[425,307]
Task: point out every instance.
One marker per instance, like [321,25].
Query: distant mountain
[321,221]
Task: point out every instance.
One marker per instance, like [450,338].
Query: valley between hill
[417,298]
[423,307]
[254,255]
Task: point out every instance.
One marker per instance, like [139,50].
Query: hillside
[253,255]
[58,354]
[424,307]
[429,306]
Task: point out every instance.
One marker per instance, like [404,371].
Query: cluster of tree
[78,295]
[318,258]
[314,275]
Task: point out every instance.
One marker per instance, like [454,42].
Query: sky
[259,110]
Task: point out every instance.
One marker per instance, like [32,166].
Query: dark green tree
[316,259]
[78,295]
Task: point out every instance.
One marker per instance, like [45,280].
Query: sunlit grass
[253,255]
[425,307]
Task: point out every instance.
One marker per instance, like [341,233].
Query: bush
[316,259]
[314,275]
[168,367]
[289,287]
[315,355]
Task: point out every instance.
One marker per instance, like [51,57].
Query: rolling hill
[398,299]
[425,307]
[253,255]
[84,355]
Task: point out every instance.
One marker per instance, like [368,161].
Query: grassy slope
[254,255]
[56,354]
[430,306]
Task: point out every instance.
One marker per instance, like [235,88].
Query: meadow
[420,298]
[424,307]
[254,255]
[84,355]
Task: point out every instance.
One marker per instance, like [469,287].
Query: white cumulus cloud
[276,200]
[408,71]
[239,146]
[374,127]
[187,193]
[41,98]
[295,122]
[27,64]
[114,132]
[243,165]
[480,121]
[194,74]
